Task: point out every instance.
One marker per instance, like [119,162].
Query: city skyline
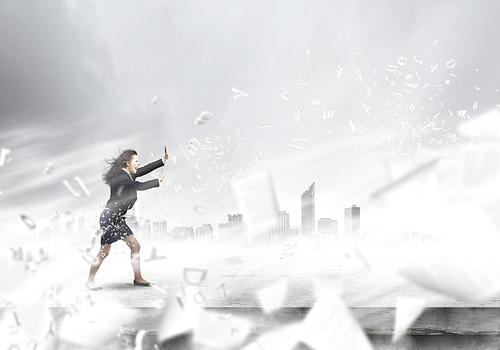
[83,227]
[63,217]
[146,227]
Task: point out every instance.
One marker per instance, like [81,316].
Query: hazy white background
[77,79]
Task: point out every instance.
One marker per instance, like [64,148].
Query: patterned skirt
[113,226]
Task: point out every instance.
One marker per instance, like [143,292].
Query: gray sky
[77,80]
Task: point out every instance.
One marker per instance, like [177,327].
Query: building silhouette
[233,228]
[308,212]
[159,232]
[283,225]
[182,232]
[352,223]
[145,229]
[204,232]
[327,226]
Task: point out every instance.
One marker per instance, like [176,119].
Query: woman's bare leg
[135,249]
[96,263]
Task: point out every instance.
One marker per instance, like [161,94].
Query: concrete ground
[367,276]
[229,276]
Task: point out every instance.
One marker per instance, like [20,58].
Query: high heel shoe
[147,284]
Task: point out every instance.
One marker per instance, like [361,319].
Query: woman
[121,176]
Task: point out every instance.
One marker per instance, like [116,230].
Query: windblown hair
[116,164]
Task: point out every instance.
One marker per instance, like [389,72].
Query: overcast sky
[361,81]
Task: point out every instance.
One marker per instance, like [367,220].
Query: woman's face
[133,164]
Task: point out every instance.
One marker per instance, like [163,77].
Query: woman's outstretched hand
[162,176]
[165,157]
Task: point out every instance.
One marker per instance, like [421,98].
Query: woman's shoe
[147,284]
[93,288]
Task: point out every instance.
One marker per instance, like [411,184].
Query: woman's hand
[162,176]
[165,157]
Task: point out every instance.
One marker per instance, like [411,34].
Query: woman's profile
[121,178]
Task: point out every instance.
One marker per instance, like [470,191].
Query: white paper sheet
[485,126]
[273,297]
[256,198]
[181,313]
[466,265]
[220,331]
[95,324]
[407,310]
[330,325]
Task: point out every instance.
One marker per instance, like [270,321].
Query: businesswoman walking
[121,178]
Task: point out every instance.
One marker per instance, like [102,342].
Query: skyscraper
[283,225]
[308,213]
[159,231]
[352,223]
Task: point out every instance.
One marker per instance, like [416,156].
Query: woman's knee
[133,243]
[104,252]
[135,246]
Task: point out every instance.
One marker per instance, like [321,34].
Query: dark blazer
[124,187]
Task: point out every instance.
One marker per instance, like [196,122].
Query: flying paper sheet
[407,310]
[467,264]
[13,263]
[35,318]
[96,324]
[221,331]
[257,199]
[181,314]
[485,126]
[402,186]
[273,297]
[330,325]
[359,258]
[480,169]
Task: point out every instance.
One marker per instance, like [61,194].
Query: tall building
[352,223]
[295,231]
[146,230]
[205,232]
[235,219]
[159,231]
[234,228]
[327,226]
[283,225]
[163,230]
[308,213]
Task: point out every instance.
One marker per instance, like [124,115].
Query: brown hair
[116,164]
